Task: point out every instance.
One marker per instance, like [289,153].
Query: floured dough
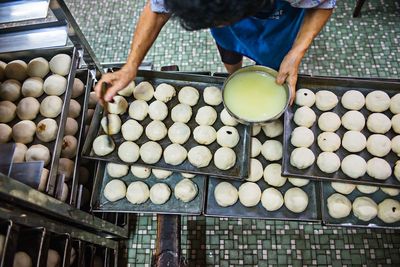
[181,113]
[185,190]
[226,194]
[138,110]
[212,96]
[227,119]
[175,154]
[354,166]
[128,151]
[140,172]
[272,175]
[396,144]
[118,106]
[302,137]
[365,208]
[256,170]
[395,104]
[199,156]
[296,200]
[206,116]
[339,206]
[299,182]
[377,101]
[305,97]
[354,141]
[164,92]
[304,116]
[302,158]
[271,199]
[158,110]
[396,123]
[256,129]
[188,95]
[255,147]
[343,188]
[143,91]
[379,169]
[137,192]
[329,122]
[156,130]
[228,136]
[249,194]
[328,162]
[224,158]
[367,189]
[353,120]
[117,170]
[325,100]
[159,193]
[353,100]
[273,129]
[272,150]
[379,123]
[179,133]
[131,130]
[113,126]
[103,145]
[328,142]
[150,152]
[204,134]
[389,211]
[379,145]
[390,191]
[115,190]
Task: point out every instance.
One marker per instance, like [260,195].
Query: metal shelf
[19,10]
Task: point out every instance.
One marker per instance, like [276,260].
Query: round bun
[185,190]
[325,100]
[256,171]
[143,91]
[354,141]
[38,67]
[10,90]
[365,208]
[115,190]
[131,130]
[273,129]
[377,101]
[227,119]
[212,96]
[304,116]
[329,122]
[378,123]
[175,154]
[179,133]
[159,193]
[379,145]
[32,87]
[188,95]
[302,158]
[228,136]
[339,206]
[60,64]
[103,145]
[55,85]
[389,211]
[137,192]
[328,142]
[138,110]
[353,100]
[249,194]
[354,166]
[353,120]
[302,137]
[204,134]
[158,110]
[150,152]
[156,130]
[181,113]
[343,188]
[296,200]
[271,199]
[164,92]
[272,175]
[199,156]
[128,151]
[328,162]
[206,116]
[116,170]
[226,194]
[305,97]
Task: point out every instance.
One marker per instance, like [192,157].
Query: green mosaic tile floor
[362,47]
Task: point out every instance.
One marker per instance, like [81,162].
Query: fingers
[281,78]
[292,80]
[106,78]
[111,92]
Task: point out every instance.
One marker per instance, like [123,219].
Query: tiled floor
[363,47]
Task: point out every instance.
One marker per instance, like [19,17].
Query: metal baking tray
[351,220]
[54,146]
[338,86]
[173,206]
[178,80]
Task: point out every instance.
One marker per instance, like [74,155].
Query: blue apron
[265,40]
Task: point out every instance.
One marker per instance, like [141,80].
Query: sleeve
[158,6]
[321,4]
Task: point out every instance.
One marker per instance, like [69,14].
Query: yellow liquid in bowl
[254,96]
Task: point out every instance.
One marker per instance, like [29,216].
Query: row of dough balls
[364,208]
[346,189]
[249,195]
[375,101]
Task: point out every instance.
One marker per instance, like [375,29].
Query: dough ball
[273,129]
[7,111]
[212,96]
[378,123]
[199,156]
[325,100]
[378,145]
[389,211]
[272,150]
[143,91]
[299,182]
[204,134]
[46,130]
[273,175]
[38,153]
[164,92]
[128,90]
[51,106]
[395,104]
[304,116]
[296,200]
[114,124]
[365,208]
[138,110]
[354,141]
[158,110]
[224,158]
[74,109]
[343,188]
[255,130]
[175,154]
[339,206]
[150,152]
[60,64]
[353,100]
[160,193]
[140,172]
[19,153]
[28,108]
[66,168]
[71,127]
[206,116]
[302,158]
[128,151]
[328,162]
[256,171]
[396,144]
[188,175]
[379,169]
[137,192]
[16,70]
[302,137]
[103,145]
[32,87]
[38,67]
[156,130]
[227,119]
[397,170]
[118,106]
[256,147]
[228,136]
[24,131]
[55,85]
[22,259]
[226,194]
[92,100]
[390,191]
[116,170]
[305,97]
[377,101]
[354,166]
[367,189]
[396,123]
[115,190]
[77,88]
[5,133]
[161,174]
[131,130]
[10,90]
[328,142]
[185,190]
[178,133]
[43,180]
[329,122]
[181,113]
[271,199]
[353,120]
[188,95]
[249,194]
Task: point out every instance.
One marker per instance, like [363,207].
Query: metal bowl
[262,69]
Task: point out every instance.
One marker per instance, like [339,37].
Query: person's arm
[147,30]
[313,22]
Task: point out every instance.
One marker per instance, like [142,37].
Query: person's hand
[116,81]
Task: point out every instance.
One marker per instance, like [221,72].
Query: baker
[276,33]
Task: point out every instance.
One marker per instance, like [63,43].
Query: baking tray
[54,146]
[173,206]
[178,80]
[351,220]
[338,86]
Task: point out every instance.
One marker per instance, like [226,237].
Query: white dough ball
[16,70]
[32,87]
[188,175]
[378,123]
[226,194]
[224,158]
[273,175]
[113,126]
[24,131]
[164,92]
[396,123]
[325,100]
[71,127]
[150,152]
[156,130]
[141,172]
[304,116]
[256,170]
[339,206]
[397,170]
[296,200]
[179,133]
[22,259]
[159,193]
[19,153]
[365,208]
[396,144]
[38,153]
[60,64]
[256,147]
[175,154]
[128,151]
[116,170]
[55,85]
[5,133]
[395,104]
[118,106]
[138,110]
[185,190]
[299,182]
[302,158]
[379,169]
[212,96]
[38,67]
[353,100]
[390,191]
[103,145]
[188,95]
[92,100]
[249,194]
[273,129]
[137,192]
[302,137]
[128,90]
[158,110]
[353,120]
[354,166]
[354,141]
[379,145]
[46,130]
[204,134]
[305,97]
[199,156]
[228,136]
[328,162]
[7,111]
[271,199]
[51,106]
[272,150]
[377,101]
[28,108]
[389,211]
[206,116]
[255,130]
[181,113]
[367,189]
[328,142]
[161,174]
[143,91]
[227,119]
[131,130]
[10,90]
[343,188]
[329,122]
[115,190]
[77,88]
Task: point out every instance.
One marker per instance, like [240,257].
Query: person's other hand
[116,81]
